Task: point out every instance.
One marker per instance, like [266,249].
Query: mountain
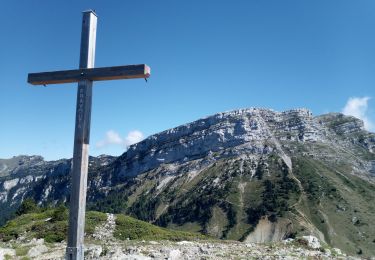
[29,176]
[254,175]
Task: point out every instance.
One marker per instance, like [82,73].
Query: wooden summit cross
[85,76]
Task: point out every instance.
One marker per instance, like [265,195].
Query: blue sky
[206,57]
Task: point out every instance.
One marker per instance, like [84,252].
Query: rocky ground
[142,250]
[102,245]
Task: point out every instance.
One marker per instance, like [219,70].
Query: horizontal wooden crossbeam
[94,74]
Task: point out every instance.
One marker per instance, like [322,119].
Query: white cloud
[113,138]
[358,107]
[133,137]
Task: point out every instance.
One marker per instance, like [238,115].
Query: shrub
[27,206]
[60,213]
[51,232]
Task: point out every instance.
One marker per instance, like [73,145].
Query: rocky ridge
[247,131]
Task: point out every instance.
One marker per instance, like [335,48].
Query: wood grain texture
[92,74]
[76,229]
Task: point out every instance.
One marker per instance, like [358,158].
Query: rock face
[267,231]
[243,130]
[31,176]
[247,131]
[225,174]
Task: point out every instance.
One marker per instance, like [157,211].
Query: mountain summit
[253,175]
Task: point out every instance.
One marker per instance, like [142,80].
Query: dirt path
[105,231]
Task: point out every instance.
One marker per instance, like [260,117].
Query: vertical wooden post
[75,249]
